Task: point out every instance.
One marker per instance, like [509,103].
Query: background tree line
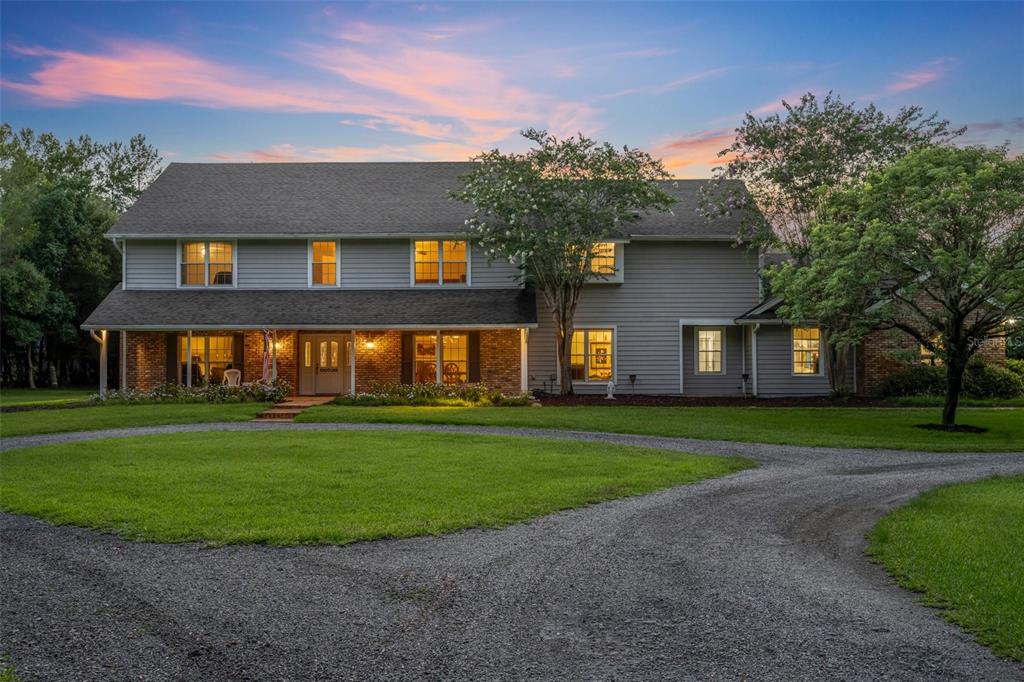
[57,200]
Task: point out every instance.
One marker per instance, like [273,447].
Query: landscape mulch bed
[680,401]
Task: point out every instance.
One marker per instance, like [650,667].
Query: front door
[323,363]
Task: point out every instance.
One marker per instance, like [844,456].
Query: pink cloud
[279,153]
[694,155]
[929,73]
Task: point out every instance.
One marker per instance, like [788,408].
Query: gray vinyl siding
[273,264]
[150,264]
[663,283]
[375,263]
[728,383]
[499,274]
[775,366]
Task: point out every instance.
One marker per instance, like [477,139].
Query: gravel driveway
[760,576]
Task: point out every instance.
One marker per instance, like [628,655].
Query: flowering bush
[458,395]
[255,392]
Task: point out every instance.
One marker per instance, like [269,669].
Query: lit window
[211,355]
[930,358]
[602,259]
[710,351]
[325,264]
[307,354]
[806,350]
[440,262]
[207,264]
[425,368]
[455,358]
[591,355]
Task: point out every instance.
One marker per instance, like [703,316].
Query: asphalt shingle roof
[350,199]
[307,308]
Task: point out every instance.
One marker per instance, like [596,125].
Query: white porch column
[273,354]
[103,364]
[188,358]
[524,371]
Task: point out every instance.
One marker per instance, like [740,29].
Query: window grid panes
[193,264]
[455,358]
[325,263]
[709,351]
[454,262]
[930,358]
[221,264]
[591,356]
[425,367]
[427,262]
[806,350]
[211,355]
[602,260]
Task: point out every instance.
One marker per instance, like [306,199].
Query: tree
[547,209]
[786,161]
[937,241]
[57,200]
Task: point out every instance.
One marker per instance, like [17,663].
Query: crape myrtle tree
[787,161]
[937,242]
[57,200]
[546,209]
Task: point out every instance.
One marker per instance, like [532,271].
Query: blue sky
[317,81]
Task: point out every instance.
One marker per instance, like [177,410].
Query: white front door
[323,363]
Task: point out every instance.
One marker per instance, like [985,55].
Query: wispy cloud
[693,155]
[279,153]
[646,53]
[669,86]
[918,78]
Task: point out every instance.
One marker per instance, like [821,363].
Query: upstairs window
[710,351]
[591,355]
[324,267]
[440,262]
[806,350]
[207,264]
[602,259]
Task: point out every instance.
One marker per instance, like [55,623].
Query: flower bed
[255,392]
[462,395]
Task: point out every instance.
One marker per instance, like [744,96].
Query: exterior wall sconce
[370,344]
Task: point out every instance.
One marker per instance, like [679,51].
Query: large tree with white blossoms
[546,210]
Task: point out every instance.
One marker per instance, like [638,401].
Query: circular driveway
[759,575]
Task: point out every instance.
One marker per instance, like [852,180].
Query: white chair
[232,377]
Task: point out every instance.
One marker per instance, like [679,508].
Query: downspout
[753,356]
[743,359]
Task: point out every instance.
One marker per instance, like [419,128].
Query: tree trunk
[835,366]
[954,383]
[563,335]
[52,367]
[31,368]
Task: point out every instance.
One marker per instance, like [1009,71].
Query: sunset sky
[439,81]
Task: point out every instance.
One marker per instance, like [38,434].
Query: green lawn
[10,397]
[838,427]
[327,487]
[962,546]
[118,416]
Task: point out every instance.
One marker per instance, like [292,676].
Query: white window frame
[309,264]
[792,350]
[696,349]
[206,263]
[440,262]
[586,354]
[618,276]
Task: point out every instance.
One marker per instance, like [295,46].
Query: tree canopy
[546,210]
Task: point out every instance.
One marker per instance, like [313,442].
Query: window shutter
[238,353]
[474,357]
[407,357]
[172,358]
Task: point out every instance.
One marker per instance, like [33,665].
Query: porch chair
[232,377]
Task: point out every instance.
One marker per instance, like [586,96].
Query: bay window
[207,264]
[806,350]
[440,262]
[591,357]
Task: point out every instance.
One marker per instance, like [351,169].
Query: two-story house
[349,273]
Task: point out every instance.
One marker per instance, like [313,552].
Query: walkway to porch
[286,410]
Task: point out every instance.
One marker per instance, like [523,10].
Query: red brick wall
[287,357]
[146,356]
[382,363]
[499,359]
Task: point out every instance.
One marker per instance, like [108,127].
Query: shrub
[255,392]
[981,380]
[1016,366]
[431,394]
[992,381]
[916,380]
